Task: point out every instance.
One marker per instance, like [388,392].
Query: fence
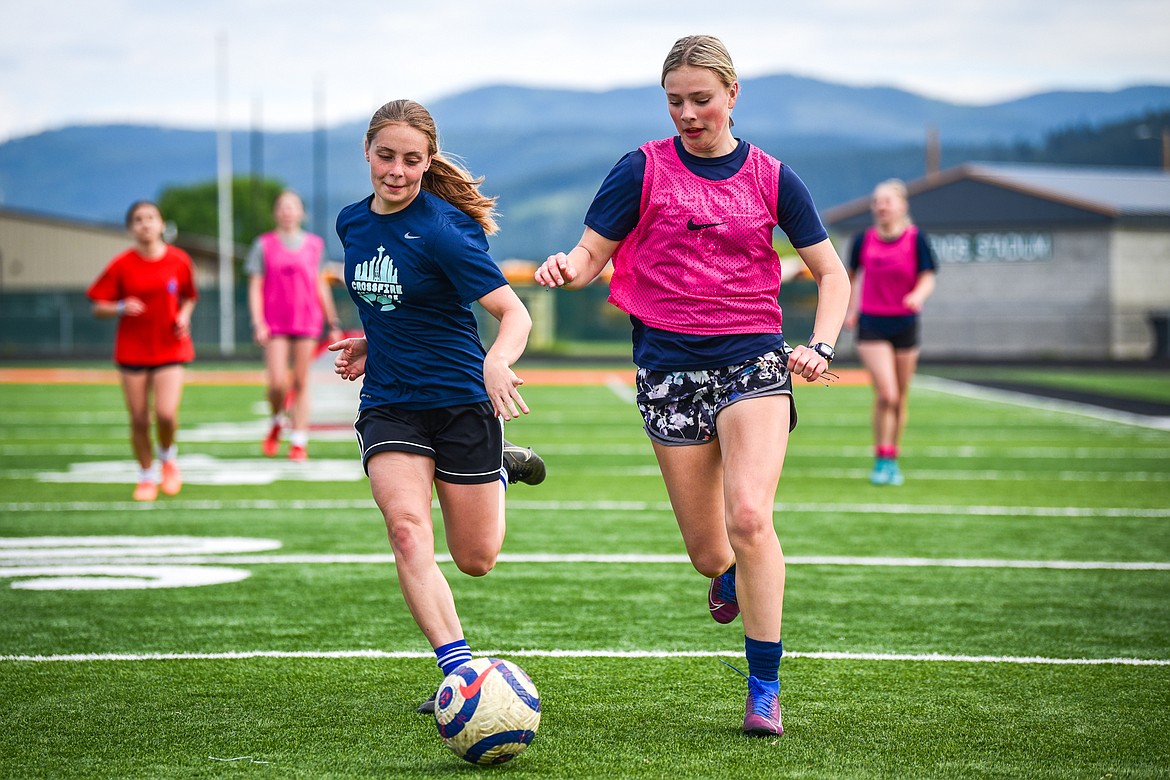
[59,324]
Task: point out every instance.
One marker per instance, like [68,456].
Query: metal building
[1039,261]
[46,265]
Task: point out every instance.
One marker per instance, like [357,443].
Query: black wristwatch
[824,350]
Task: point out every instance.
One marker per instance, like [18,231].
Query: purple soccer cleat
[721,597]
[762,718]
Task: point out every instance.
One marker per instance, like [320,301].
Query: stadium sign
[991,247]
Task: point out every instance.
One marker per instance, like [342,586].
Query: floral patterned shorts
[680,407]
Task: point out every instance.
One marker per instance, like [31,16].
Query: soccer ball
[487,711]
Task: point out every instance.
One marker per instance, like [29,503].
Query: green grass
[901,662]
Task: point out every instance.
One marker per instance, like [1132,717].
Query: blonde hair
[899,188]
[897,185]
[701,51]
[443,178]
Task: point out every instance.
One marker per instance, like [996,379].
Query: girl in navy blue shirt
[433,399]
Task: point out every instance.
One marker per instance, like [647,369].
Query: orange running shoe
[271,445]
[298,453]
[172,481]
[146,491]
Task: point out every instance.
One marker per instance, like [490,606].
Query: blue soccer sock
[763,658]
[452,655]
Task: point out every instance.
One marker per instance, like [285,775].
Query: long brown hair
[445,178]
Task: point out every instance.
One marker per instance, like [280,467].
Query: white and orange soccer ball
[487,711]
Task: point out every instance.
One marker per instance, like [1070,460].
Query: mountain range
[545,151]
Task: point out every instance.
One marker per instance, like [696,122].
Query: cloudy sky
[292,62]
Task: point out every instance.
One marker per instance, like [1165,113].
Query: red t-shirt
[162,285]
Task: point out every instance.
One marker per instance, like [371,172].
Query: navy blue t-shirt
[615,212]
[413,276]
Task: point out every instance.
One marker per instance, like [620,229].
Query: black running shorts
[900,332]
[466,442]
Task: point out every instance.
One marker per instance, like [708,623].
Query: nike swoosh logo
[471,691]
[692,225]
[407,235]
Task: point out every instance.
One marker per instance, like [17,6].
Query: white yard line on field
[17,563]
[403,654]
[367,504]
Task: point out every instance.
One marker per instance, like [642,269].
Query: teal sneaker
[894,473]
[881,471]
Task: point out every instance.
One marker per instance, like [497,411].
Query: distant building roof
[1120,190]
[1103,193]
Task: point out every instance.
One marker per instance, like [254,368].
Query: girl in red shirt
[150,288]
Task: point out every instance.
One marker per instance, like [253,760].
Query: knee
[407,536]
[167,419]
[750,524]
[140,422]
[710,565]
[889,398]
[475,563]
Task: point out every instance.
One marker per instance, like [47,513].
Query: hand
[806,362]
[182,325]
[132,307]
[851,319]
[556,271]
[914,301]
[260,334]
[350,362]
[501,383]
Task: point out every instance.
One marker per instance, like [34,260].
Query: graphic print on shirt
[376,281]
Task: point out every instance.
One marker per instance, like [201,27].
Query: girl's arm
[580,266]
[498,378]
[256,308]
[833,291]
[325,296]
[853,314]
[183,318]
[916,298]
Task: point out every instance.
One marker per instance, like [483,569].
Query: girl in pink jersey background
[688,223]
[893,270]
[289,299]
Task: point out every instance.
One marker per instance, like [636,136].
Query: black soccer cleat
[523,465]
[428,706]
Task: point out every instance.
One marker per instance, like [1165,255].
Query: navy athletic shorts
[901,332]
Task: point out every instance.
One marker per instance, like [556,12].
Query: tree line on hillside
[1132,142]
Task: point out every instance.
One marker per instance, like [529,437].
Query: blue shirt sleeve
[855,252]
[926,261]
[796,213]
[460,249]
[616,206]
